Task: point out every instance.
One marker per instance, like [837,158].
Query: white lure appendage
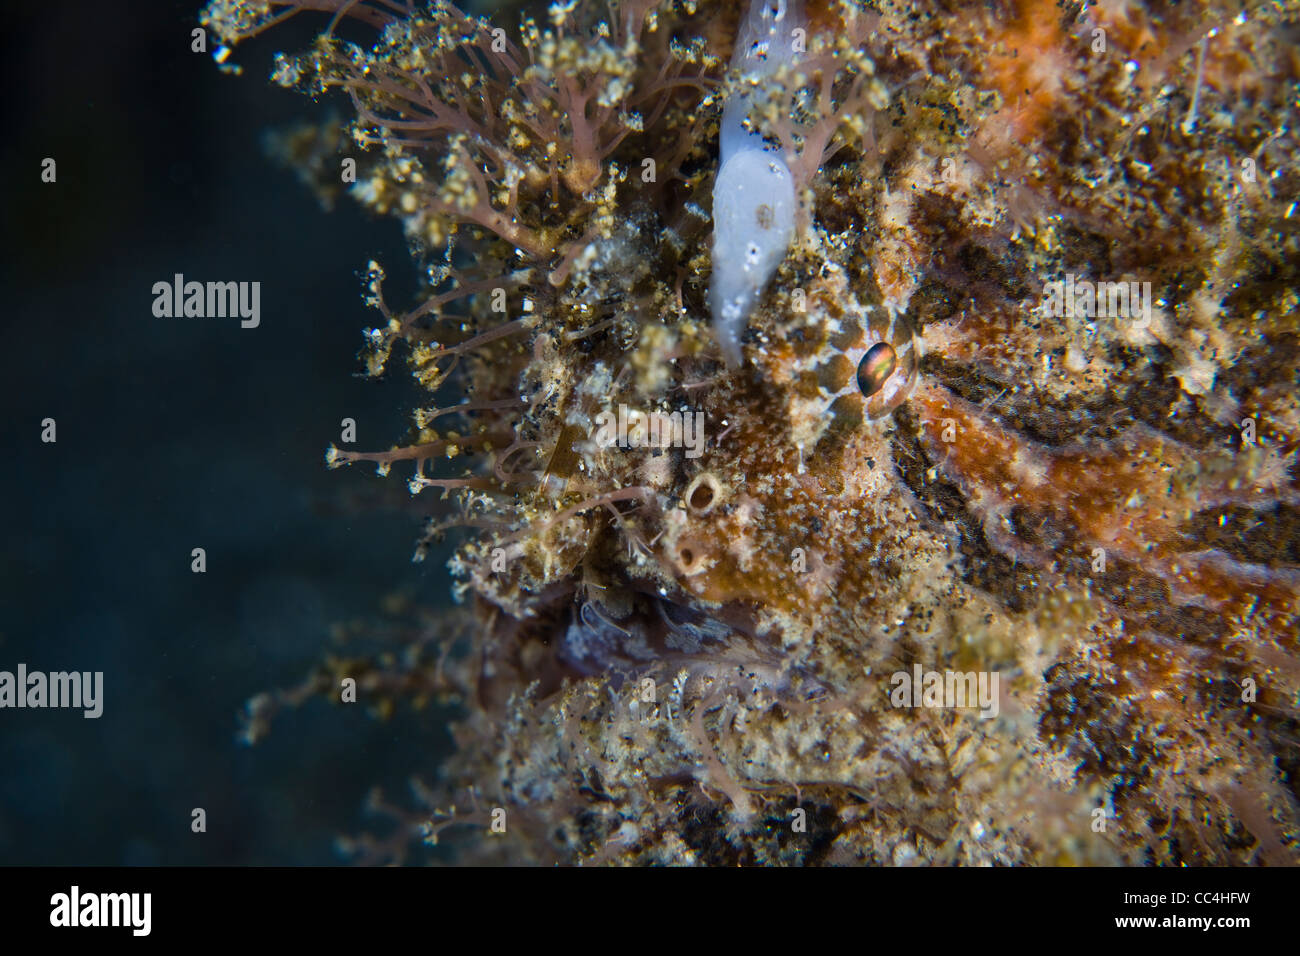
[753,224]
[754,192]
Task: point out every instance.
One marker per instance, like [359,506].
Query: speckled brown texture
[1071,502]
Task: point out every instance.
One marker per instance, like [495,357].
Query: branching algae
[990,552]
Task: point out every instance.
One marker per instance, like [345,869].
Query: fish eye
[887,370]
[879,362]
